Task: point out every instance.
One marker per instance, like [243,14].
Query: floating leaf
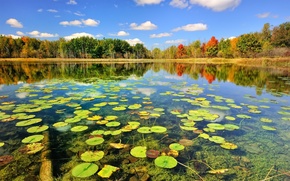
[268,128]
[158,129]
[229,146]
[119,145]
[176,146]
[107,171]
[216,126]
[230,118]
[92,156]
[217,139]
[28,122]
[59,124]
[158,109]
[186,142]
[33,139]
[85,170]
[244,116]
[165,162]
[111,118]
[119,108]
[152,153]
[79,128]
[204,135]
[33,148]
[95,141]
[231,127]
[2,144]
[97,132]
[94,118]
[138,151]
[37,129]
[113,124]
[266,120]
[144,130]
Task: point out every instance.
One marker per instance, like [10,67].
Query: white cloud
[14,23]
[192,27]
[263,15]
[52,10]
[20,33]
[42,35]
[39,10]
[91,22]
[144,26]
[72,2]
[179,3]
[178,41]
[217,5]
[77,35]
[12,36]
[71,23]
[120,33]
[79,13]
[134,41]
[99,35]
[144,2]
[160,35]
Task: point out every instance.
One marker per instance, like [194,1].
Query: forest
[269,42]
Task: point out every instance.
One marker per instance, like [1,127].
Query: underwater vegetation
[151,127]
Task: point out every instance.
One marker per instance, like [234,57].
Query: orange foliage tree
[212,47]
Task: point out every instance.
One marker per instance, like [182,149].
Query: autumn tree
[181,51]
[194,49]
[281,35]
[212,47]
[249,45]
[224,48]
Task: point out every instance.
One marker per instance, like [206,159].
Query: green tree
[281,35]
[249,45]
[224,48]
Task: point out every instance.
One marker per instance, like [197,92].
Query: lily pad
[119,108]
[230,118]
[152,153]
[79,128]
[144,130]
[217,139]
[186,142]
[229,146]
[216,126]
[85,170]
[2,144]
[95,141]
[119,145]
[92,156]
[29,122]
[59,124]
[139,151]
[37,129]
[268,128]
[33,139]
[165,162]
[113,124]
[266,120]
[33,148]
[176,146]
[107,171]
[231,127]
[158,129]
[204,135]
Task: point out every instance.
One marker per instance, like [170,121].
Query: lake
[143,121]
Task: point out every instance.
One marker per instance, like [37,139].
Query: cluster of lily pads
[204,118]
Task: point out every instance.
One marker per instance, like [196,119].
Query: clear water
[58,92]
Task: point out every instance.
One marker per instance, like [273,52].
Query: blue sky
[155,23]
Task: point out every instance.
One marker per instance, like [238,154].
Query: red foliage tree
[181,52]
[180,68]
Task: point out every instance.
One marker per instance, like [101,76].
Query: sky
[155,23]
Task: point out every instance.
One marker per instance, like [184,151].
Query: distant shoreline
[260,62]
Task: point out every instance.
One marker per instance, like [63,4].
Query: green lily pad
[217,139]
[266,120]
[204,135]
[33,148]
[119,108]
[185,142]
[95,141]
[269,128]
[113,124]
[158,129]
[79,128]
[230,118]
[216,126]
[33,139]
[231,127]
[73,120]
[29,122]
[111,118]
[92,156]
[2,144]
[97,132]
[188,128]
[116,132]
[165,162]
[158,109]
[107,171]
[144,130]
[59,124]
[139,151]
[244,116]
[229,146]
[176,146]
[37,129]
[85,170]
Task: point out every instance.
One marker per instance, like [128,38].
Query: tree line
[269,42]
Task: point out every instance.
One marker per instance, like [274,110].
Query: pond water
[143,121]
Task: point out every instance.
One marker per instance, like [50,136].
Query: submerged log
[45,172]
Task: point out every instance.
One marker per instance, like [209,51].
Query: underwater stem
[269,172]
[191,170]
[204,163]
[241,122]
